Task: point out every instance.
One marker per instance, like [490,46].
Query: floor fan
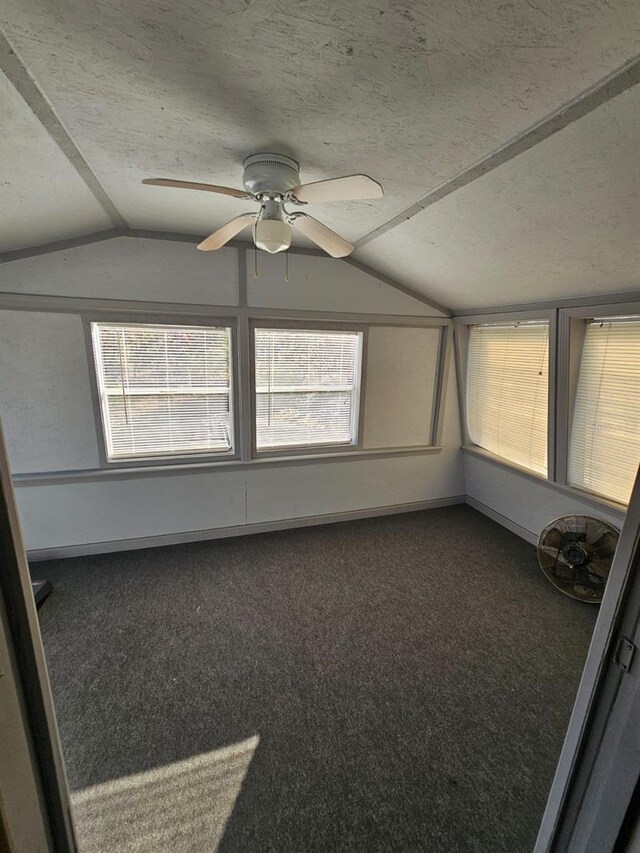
[575,553]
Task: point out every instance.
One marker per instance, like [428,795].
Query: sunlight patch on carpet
[178,808]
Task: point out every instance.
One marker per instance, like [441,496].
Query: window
[605,434]
[307,387]
[507,391]
[164,390]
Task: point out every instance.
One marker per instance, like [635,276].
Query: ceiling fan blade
[322,236]
[350,188]
[190,185]
[222,236]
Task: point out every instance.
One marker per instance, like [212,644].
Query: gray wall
[48,417]
[521,502]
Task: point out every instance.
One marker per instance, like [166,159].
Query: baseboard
[525,534]
[238,530]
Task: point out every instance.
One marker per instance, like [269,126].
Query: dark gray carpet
[409,679]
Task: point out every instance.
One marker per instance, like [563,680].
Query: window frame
[461,335]
[308,449]
[572,325]
[166,459]
[241,320]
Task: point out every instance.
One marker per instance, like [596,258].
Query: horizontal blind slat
[164,390]
[605,431]
[306,387]
[507,391]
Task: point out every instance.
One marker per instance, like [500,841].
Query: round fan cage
[575,553]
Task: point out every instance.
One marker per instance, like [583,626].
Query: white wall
[520,502]
[48,417]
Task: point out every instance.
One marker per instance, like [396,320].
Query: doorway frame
[34,794]
[594,781]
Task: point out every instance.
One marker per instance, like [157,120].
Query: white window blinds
[605,433]
[507,391]
[307,387]
[164,390]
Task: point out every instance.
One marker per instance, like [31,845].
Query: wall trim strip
[87,304]
[520,531]
[82,550]
[61,245]
[132,470]
[569,302]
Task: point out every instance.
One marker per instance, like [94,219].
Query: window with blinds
[507,391]
[605,434]
[307,386]
[164,390]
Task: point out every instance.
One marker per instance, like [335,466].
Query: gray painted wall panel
[521,500]
[129,268]
[82,512]
[401,373]
[65,514]
[323,284]
[341,486]
[45,394]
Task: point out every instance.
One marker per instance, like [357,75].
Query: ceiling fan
[273,180]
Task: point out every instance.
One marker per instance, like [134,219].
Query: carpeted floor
[393,684]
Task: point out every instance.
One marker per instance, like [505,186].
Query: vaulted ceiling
[95,96]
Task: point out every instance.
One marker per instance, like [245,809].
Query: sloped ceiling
[412,93]
[42,197]
[560,220]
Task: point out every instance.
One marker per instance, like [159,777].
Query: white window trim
[357,414]
[239,319]
[566,335]
[571,330]
[166,459]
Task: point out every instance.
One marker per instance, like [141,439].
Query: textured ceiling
[560,220]
[410,92]
[37,182]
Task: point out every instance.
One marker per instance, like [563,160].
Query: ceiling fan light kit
[273,180]
[272,234]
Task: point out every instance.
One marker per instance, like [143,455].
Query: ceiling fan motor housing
[270,173]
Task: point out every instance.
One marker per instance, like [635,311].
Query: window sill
[474,450]
[301,451]
[617,509]
[129,472]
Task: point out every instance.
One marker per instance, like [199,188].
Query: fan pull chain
[255,261]
[286,266]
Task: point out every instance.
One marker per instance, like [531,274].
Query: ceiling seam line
[600,93]
[18,75]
